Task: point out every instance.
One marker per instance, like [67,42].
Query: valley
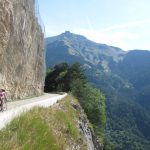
[124,78]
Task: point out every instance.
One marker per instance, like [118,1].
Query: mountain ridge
[79,47]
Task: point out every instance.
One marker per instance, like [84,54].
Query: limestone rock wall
[21,49]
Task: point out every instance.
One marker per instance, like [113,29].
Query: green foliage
[71,78]
[67,121]
[48,71]
[93,103]
[28,132]
[62,76]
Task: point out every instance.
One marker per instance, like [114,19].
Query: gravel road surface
[14,109]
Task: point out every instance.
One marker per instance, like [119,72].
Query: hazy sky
[121,23]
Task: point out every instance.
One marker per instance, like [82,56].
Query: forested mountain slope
[124,77]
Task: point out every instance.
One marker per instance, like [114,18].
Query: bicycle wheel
[1,106]
[4,106]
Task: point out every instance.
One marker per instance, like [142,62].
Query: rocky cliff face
[89,136]
[21,49]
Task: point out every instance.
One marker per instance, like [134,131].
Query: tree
[61,77]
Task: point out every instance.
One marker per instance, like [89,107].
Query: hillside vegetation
[124,78]
[54,128]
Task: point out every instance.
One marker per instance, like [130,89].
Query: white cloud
[116,35]
[126,25]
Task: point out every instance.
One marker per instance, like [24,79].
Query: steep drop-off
[21,49]
[64,126]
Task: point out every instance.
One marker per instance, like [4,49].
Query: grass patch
[28,132]
[52,128]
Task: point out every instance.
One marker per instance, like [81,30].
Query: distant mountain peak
[73,36]
[67,33]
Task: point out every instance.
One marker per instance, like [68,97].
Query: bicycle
[3,104]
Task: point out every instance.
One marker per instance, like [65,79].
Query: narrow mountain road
[14,109]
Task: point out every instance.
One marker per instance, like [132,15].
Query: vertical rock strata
[21,49]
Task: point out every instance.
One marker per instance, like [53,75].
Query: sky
[120,23]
